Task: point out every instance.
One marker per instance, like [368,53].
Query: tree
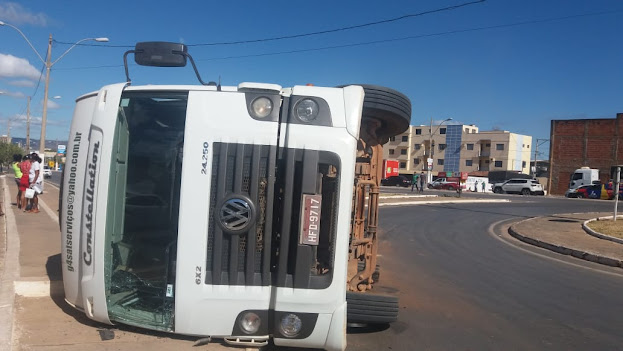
[7,151]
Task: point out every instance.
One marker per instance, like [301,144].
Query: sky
[499,64]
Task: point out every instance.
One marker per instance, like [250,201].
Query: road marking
[39,288]
[48,210]
[429,202]
[514,243]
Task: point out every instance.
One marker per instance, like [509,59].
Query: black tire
[525,192]
[498,190]
[579,195]
[450,187]
[371,308]
[390,107]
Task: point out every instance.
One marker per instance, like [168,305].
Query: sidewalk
[564,234]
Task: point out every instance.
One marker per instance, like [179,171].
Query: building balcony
[484,153]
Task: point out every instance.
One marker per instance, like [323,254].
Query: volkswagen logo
[236,214]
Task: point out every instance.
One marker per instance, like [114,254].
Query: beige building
[459,148]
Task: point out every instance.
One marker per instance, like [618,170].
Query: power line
[341,29]
[421,36]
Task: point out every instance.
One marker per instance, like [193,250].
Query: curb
[598,234]
[564,250]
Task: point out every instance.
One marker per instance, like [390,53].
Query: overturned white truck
[245,212]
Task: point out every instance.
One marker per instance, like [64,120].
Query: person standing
[414,182]
[24,166]
[483,186]
[18,178]
[35,179]
[422,182]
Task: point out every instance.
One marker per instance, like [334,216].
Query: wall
[594,143]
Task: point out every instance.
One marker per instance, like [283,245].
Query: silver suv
[519,186]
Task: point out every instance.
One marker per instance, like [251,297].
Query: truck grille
[267,251]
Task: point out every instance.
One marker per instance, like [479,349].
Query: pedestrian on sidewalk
[483,186]
[422,182]
[24,184]
[414,182]
[18,178]
[35,177]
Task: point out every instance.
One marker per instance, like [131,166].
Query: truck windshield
[577,176]
[142,220]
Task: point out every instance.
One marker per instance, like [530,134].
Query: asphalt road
[55,179]
[462,287]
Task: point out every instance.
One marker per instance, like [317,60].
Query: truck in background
[390,168]
[583,176]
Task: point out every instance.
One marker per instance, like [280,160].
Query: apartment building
[458,148]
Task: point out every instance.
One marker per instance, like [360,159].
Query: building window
[416,161]
[486,161]
[403,165]
[528,146]
[403,151]
[442,130]
[487,145]
[405,138]
[468,163]
[392,138]
[523,164]
[498,164]
[440,162]
[442,147]
[418,131]
[391,151]
[417,146]
[499,146]
[470,146]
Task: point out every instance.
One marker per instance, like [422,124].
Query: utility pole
[28,127]
[536,151]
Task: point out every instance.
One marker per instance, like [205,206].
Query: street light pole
[430,145]
[48,66]
[44,116]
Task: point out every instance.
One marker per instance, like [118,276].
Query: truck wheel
[498,190]
[370,308]
[525,191]
[450,187]
[390,107]
[580,196]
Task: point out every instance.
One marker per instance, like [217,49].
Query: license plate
[310,220]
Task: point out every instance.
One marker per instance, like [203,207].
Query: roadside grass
[608,227]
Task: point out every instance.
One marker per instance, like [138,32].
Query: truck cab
[583,176]
[244,212]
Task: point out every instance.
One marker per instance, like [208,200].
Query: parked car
[396,181]
[519,186]
[443,184]
[47,172]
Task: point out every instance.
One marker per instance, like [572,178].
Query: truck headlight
[261,107]
[250,323]
[290,325]
[306,110]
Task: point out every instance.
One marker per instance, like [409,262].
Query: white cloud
[22,83]
[15,67]
[15,14]
[15,94]
[53,105]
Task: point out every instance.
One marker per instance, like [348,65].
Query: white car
[519,186]
[47,172]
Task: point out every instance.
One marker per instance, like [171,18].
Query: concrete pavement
[34,315]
